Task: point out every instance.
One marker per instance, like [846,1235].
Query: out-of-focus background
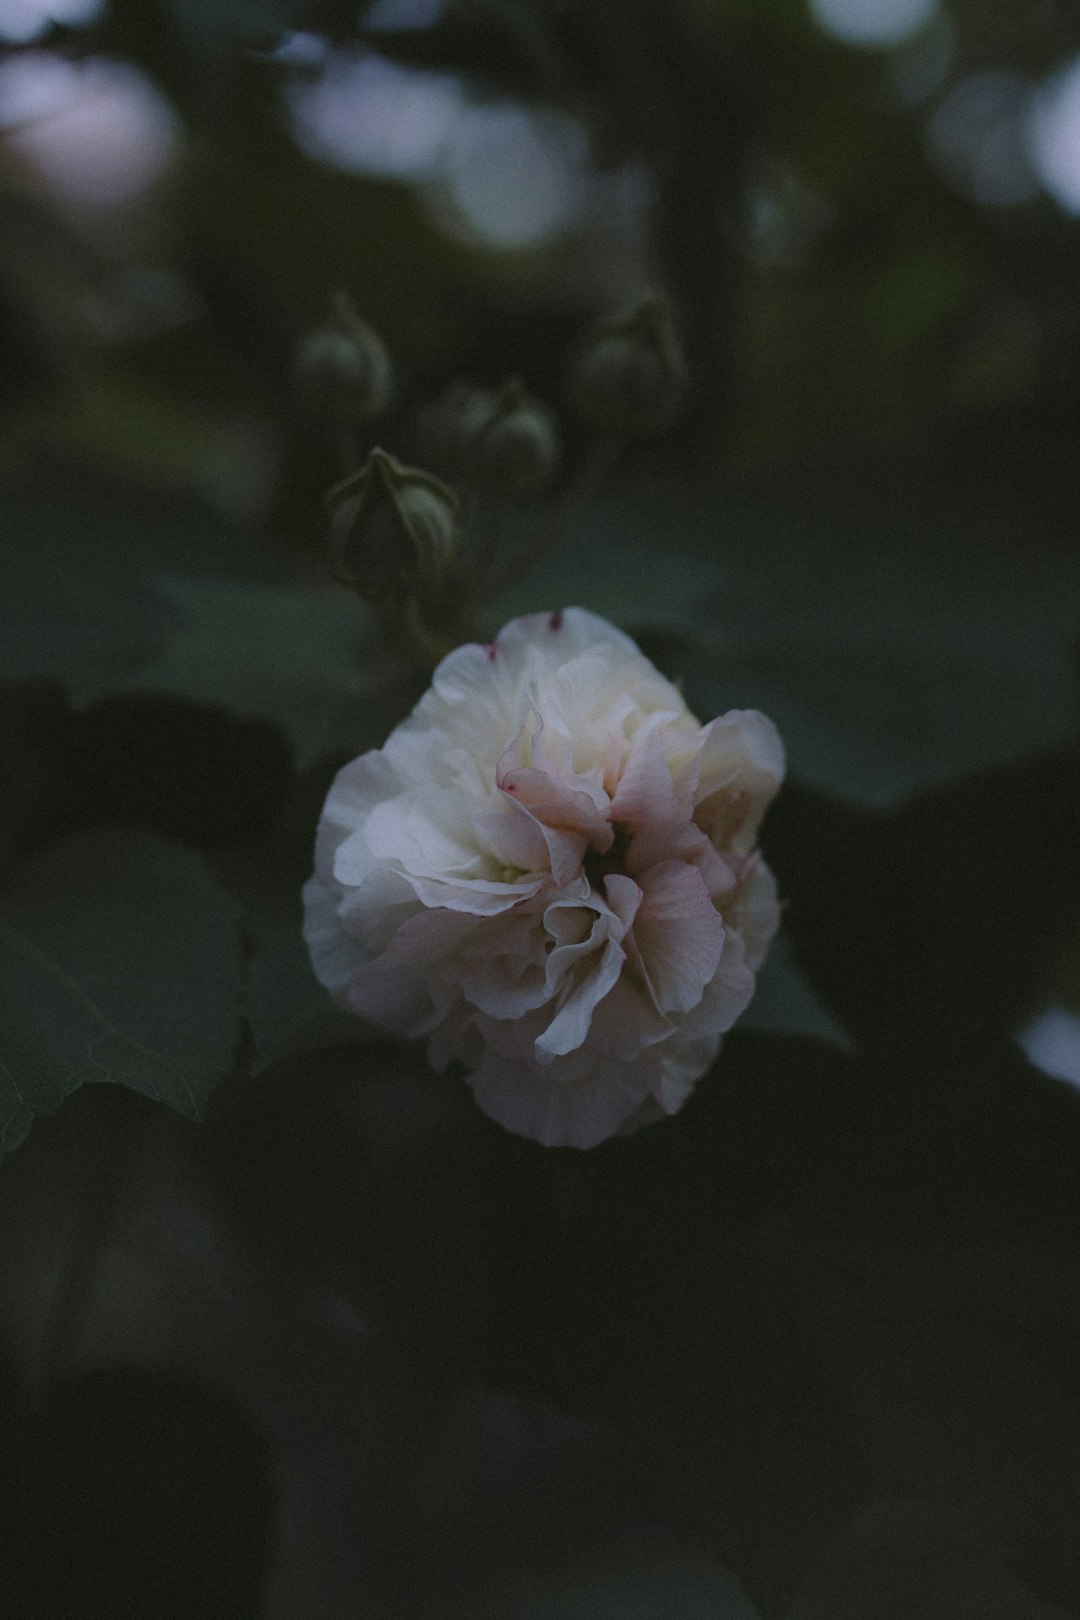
[862,212]
[331,1338]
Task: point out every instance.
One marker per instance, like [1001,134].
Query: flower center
[597,867]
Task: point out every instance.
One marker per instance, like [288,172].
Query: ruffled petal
[742,761]
[548,872]
[679,933]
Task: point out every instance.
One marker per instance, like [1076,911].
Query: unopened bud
[630,377]
[343,370]
[393,529]
[518,451]
[503,440]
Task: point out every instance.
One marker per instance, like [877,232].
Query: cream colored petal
[679,933]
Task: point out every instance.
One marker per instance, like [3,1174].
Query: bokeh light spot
[977,138]
[1052,1042]
[370,116]
[23,20]
[875,24]
[514,177]
[97,132]
[1054,137]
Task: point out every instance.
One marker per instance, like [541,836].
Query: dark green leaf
[898,1560]
[898,636]
[120,962]
[190,771]
[785,1004]
[898,918]
[288,1010]
[78,598]
[299,657]
[106,590]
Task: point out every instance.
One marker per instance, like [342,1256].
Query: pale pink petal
[405,988]
[728,993]
[570,1026]
[568,804]
[679,933]
[334,956]
[372,912]
[504,971]
[548,872]
[741,753]
[478,898]
[645,795]
[530,1104]
[553,639]
[513,836]
[758,912]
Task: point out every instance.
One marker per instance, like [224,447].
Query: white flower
[549,873]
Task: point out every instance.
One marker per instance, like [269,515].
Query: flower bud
[502,440]
[343,370]
[393,529]
[630,377]
[518,451]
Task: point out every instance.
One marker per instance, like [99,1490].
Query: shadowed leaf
[119,961]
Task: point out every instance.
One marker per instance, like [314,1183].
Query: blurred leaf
[782,1292]
[110,590]
[189,771]
[125,1475]
[911,296]
[288,654]
[898,1560]
[898,918]
[36,731]
[120,963]
[77,596]
[628,577]
[893,626]
[311,228]
[288,1010]
[785,1004]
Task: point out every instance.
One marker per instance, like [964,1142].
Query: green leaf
[288,654]
[109,590]
[896,1559]
[785,1004]
[78,601]
[120,962]
[288,1010]
[898,636]
[632,582]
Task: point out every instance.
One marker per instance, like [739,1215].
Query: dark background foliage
[287,1327]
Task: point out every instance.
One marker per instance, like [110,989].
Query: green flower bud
[393,529]
[630,376]
[518,452]
[343,371]
[502,440]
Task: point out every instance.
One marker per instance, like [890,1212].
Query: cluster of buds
[400,536]
[498,440]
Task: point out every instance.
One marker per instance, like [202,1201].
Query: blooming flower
[549,873]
